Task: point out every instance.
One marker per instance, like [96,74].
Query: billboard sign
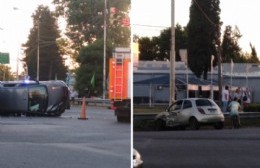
[4,58]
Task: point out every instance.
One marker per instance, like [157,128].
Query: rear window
[204,102]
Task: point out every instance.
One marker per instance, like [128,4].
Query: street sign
[4,58]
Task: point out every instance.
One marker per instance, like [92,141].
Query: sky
[15,25]
[156,15]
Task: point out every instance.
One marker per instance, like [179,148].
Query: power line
[202,11]
[152,26]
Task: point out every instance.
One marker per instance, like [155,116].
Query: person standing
[238,95]
[235,107]
[246,97]
[74,95]
[225,99]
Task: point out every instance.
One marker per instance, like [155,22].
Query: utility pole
[17,58]
[219,74]
[172,59]
[38,50]
[104,59]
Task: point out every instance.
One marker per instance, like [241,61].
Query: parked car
[137,159]
[192,112]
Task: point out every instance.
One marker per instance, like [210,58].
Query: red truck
[120,83]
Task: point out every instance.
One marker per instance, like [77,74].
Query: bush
[254,107]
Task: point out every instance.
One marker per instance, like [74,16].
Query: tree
[230,46]
[203,35]
[90,59]
[85,21]
[253,58]
[45,31]
[5,73]
[147,48]
[158,48]
[85,29]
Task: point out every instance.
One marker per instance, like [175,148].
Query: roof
[239,69]
[164,80]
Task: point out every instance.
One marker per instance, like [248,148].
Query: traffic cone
[83,115]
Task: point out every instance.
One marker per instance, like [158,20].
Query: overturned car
[49,98]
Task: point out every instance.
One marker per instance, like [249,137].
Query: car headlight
[137,160]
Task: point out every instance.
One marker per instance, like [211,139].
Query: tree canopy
[230,47]
[90,59]
[203,35]
[45,32]
[5,73]
[85,21]
[85,29]
[158,48]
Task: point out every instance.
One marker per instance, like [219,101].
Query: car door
[174,112]
[184,114]
[37,101]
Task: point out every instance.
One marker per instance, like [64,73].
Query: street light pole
[172,59]
[38,50]
[17,58]
[219,74]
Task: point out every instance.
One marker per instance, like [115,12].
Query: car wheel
[159,125]
[219,125]
[194,124]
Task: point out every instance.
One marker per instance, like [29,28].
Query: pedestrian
[225,99]
[246,97]
[235,107]
[238,95]
[74,95]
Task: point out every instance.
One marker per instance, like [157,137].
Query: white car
[192,112]
[137,159]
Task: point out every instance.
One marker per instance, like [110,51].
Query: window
[176,106]
[203,102]
[187,104]
[37,99]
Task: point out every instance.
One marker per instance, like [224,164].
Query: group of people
[233,103]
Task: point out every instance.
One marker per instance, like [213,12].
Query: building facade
[151,81]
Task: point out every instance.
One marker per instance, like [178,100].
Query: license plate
[212,110]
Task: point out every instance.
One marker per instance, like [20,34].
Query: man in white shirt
[225,99]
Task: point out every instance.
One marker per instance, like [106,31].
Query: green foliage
[5,73]
[85,20]
[253,107]
[85,29]
[253,58]
[90,59]
[203,35]
[45,31]
[147,48]
[230,46]
[158,48]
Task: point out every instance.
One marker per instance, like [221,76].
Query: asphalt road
[66,141]
[203,148]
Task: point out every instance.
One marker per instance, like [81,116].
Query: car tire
[194,124]
[219,125]
[159,125]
